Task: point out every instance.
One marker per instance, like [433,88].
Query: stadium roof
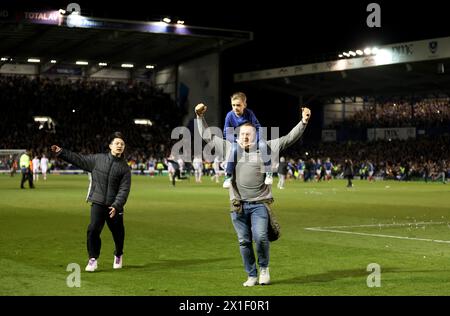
[50,35]
[423,77]
[404,68]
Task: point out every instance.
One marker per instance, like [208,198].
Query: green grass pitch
[180,241]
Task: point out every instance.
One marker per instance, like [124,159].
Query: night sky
[286,32]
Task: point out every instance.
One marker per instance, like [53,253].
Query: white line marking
[331,229]
[386,225]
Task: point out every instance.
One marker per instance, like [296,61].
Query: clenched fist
[56,149]
[306,114]
[200,109]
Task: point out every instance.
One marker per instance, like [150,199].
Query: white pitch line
[327,229]
[386,225]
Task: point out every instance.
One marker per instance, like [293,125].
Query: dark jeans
[27,175]
[100,214]
[236,151]
[175,175]
[349,180]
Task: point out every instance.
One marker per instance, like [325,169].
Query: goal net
[9,158]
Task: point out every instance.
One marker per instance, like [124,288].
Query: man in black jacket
[348,172]
[108,193]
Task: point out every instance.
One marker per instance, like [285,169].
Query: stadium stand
[85,111]
[423,112]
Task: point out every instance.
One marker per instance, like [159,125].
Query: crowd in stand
[424,112]
[85,112]
[395,159]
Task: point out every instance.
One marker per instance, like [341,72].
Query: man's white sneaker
[264,276]
[118,262]
[227,183]
[269,179]
[251,281]
[92,265]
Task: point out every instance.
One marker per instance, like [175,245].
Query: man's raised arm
[220,144]
[293,136]
[85,162]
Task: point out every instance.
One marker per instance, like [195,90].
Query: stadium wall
[111,74]
[19,69]
[198,81]
[166,79]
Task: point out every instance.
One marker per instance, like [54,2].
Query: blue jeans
[251,222]
[236,152]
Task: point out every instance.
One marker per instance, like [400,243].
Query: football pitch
[180,240]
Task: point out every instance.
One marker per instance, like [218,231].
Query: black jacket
[111,177]
[348,169]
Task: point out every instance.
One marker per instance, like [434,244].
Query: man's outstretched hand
[55,148]
[200,109]
[306,114]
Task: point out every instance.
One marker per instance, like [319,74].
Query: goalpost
[7,158]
